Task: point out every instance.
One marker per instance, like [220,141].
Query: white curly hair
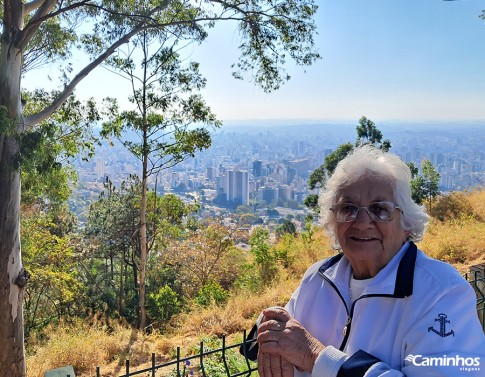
[365,160]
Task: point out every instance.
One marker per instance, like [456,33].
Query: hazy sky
[389,60]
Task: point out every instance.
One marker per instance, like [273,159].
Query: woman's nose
[363,219]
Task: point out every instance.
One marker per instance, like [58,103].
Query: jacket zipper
[348,322]
[348,325]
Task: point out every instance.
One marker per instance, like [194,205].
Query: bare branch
[34,4]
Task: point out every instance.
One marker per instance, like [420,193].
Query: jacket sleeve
[446,341]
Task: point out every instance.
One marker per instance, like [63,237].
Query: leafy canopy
[367,133]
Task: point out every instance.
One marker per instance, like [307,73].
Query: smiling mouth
[363,239]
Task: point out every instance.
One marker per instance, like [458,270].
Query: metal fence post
[477,281]
[202,358]
[178,362]
[224,355]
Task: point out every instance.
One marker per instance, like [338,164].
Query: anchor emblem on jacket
[442,331]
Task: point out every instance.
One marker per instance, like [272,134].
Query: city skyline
[268,162]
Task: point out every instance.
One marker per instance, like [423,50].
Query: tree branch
[34,119]
[36,21]
[24,36]
[34,4]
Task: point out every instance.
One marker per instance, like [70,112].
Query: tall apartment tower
[237,186]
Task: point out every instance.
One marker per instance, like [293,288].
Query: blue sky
[403,60]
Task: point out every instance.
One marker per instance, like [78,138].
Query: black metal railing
[476,278]
[197,365]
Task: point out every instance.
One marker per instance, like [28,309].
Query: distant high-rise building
[268,194]
[284,192]
[242,187]
[257,168]
[290,175]
[237,186]
[211,173]
[302,166]
[100,167]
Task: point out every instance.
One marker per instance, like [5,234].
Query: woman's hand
[283,343]
[274,366]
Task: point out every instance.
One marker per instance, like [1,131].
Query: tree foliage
[203,258]
[49,252]
[367,133]
[286,228]
[425,186]
[46,151]
[112,270]
[170,120]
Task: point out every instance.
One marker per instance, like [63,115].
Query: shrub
[163,304]
[452,206]
[211,293]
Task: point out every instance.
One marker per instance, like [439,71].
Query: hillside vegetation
[456,234]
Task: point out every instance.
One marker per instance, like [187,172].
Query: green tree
[39,32]
[112,273]
[109,269]
[425,186]
[163,304]
[163,120]
[367,133]
[54,289]
[46,151]
[286,228]
[264,256]
[211,293]
[414,170]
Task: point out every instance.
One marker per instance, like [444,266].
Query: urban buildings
[272,164]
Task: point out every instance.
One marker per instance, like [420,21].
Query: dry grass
[459,241]
[84,347]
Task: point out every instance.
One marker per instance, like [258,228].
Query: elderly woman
[381,307]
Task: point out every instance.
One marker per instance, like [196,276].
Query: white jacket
[416,318]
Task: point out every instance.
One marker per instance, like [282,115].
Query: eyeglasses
[381,212]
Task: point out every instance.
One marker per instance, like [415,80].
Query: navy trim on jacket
[405,272]
[357,365]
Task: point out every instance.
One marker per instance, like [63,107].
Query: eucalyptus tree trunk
[143,204]
[12,276]
[143,246]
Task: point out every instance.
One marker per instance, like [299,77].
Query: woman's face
[369,245]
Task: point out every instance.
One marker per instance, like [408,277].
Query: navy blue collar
[405,271]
